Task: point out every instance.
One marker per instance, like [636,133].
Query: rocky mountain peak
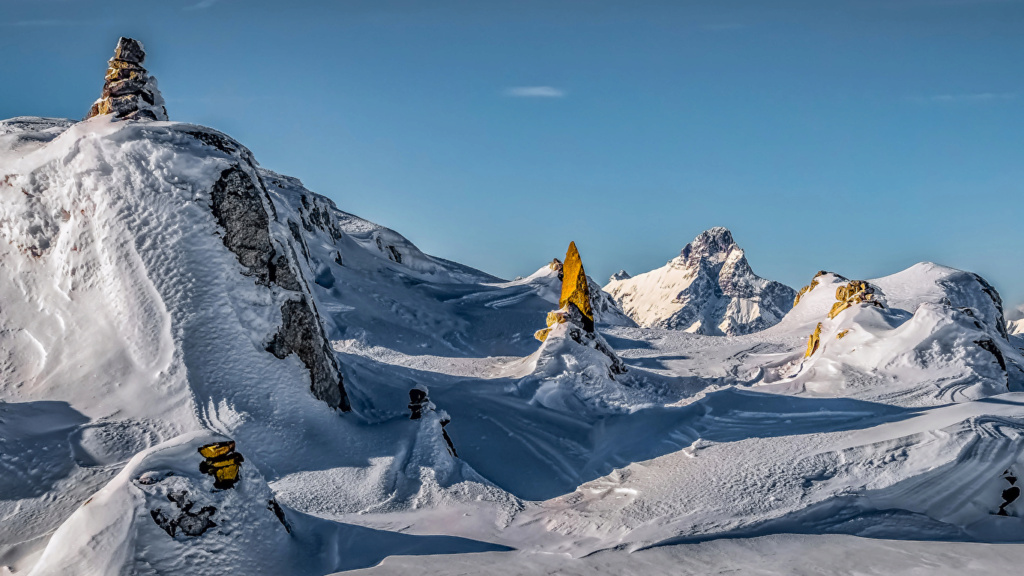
[129,92]
[715,244]
[708,289]
[621,275]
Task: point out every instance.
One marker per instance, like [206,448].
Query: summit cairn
[129,92]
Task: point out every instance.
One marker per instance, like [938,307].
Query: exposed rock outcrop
[420,405]
[187,522]
[301,334]
[708,289]
[852,293]
[237,203]
[813,285]
[1009,495]
[574,303]
[576,310]
[239,210]
[129,92]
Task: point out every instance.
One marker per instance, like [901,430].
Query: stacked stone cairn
[129,92]
[221,462]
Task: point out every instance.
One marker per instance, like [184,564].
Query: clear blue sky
[859,137]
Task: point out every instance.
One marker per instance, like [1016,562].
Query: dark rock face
[990,346]
[417,403]
[187,522]
[274,507]
[1009,495]
[388,250]
[238,207]
[300,333]
[129,92]
[989,290]
[239,210]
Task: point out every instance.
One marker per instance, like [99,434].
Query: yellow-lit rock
[221,462]
[574,284]
[853,292]
[813,341]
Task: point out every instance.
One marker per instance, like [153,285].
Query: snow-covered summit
[708,289]
[1015,321]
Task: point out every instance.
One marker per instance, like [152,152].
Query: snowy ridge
[708,289]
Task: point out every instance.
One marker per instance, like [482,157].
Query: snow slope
[708,289]
[144,313]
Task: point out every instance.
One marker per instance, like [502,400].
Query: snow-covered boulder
[708,289]
[927,334]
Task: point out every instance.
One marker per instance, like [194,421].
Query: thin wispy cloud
[202,5]
[535,92]
[724,26]
[976,97]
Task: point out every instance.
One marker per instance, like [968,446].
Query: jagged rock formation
[620,275]
[129,91]
[708,289]
[574,303]
[575,309]
[301,334]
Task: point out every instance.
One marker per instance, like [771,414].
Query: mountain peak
[708,289]
[715,243]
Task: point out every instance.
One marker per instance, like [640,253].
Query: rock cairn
[221,462]
[129,92]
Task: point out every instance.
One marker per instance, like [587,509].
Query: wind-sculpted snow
[159,291]
[708,289]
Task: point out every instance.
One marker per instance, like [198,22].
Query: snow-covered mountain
[1015,321]
[206,369]
[160,291]
[708,289]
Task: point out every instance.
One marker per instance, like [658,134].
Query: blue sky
[859,137]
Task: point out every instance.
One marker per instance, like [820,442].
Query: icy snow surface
[130,335]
